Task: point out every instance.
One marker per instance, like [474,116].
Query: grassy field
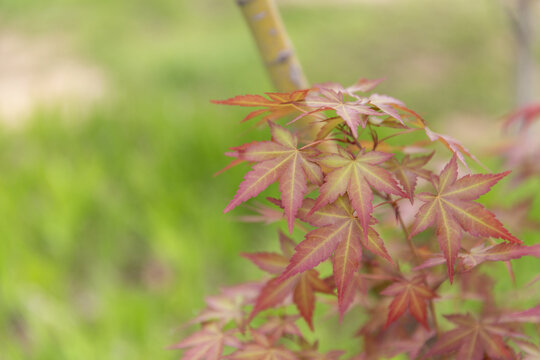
[111,224]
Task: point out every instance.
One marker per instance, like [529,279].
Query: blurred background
[111,224]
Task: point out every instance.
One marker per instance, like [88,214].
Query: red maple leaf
[525,115]
[262,347]
[453,211]
[387,105]
[302,286]
[453,145]
[482,253]
[499,252]
[207,343]
[532,351]
[362,85]
[313,354]
[277,326]
[229,304]
[355,175]
[408,170]
[527,316]
[340,233]
[277,106]
[353,112]
[473,338]
[409,294]
[278,160]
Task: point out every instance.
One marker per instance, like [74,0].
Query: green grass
[111,226]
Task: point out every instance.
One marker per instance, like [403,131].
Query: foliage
[347,174]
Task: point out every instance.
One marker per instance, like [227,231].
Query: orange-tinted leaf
[278,105]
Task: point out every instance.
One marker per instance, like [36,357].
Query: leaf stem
[417,261]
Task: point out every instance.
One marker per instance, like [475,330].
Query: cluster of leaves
[345,177]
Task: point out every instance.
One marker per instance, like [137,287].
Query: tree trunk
[274,45]
[525,73]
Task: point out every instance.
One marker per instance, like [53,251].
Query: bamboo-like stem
[279,57]
[274,45]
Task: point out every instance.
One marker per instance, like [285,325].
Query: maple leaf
[453,211]
[387,105]
[340,233]
[264,214]
[207,343]
[413,345]
[499,252]
[453,145]
[278,160]
[362,85]
[409,294]
[408,170]
[524,115]
[277,105]
[229,304]
[302,286]
[527,316]
[352,112]
[316,355]
[479,254]
[532,351]
[355,176]
[277,326]
[262,347]
[473,338]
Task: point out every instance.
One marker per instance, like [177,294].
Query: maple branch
[274,45]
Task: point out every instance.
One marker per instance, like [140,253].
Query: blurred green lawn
[111,226]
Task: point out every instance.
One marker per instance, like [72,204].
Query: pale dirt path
[41,72]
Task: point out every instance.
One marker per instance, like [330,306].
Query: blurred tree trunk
[279,57]
[274,44]
[526,82]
